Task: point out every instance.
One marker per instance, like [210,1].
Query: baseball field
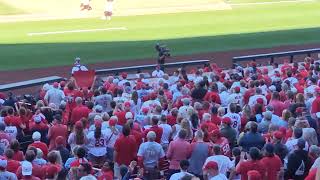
[50,33]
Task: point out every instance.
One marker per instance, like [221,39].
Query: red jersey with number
[225,147]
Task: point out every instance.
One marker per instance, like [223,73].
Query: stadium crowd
[255,123]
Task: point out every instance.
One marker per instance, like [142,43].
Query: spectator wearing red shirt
[106,172]
[155,128]
[316,103]
[136,132]
[277,105]
[121,113]
[125,150]
[37,125]
[13,120]
[56,130]
[272,162]
[178,150]
[18,155]
[52,163]
[80,157]
[80,111]
[36,136]
[216,138]
[12,165]
[172,117]
[212,95]
[250,164]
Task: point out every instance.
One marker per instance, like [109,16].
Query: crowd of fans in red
[251,123]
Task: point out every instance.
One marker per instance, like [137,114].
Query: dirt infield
[223,59]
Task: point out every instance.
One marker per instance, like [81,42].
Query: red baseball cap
[278,135]
[79,124]
[145,110]
[237,89]
[127,104]
[260,101]
[211,165]
[254,175]
[59,140]
[299,110]
[226,120]
[97,123]
[112,122]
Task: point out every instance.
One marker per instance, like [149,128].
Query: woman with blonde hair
[185,124]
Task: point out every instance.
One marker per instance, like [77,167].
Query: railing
[272,56]
[150,67]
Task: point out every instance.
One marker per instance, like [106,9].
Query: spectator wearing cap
[277,105]
[216,138]
[58,129]
[211,170]
[80,111]
[97,110]
[34,170]
[124,80]
[299,162]
[26,171]
[292,142]
[78,66]
[51,173]
[4,174]
[253,99]
[125,150]
[61,148]
[252,138]
[263,126]
[252,163]
[279,148]
[149,155]
[36,136]
[178,150]
[77,137]
[272,162]
[228,132]
[39,125]
[54,95]
[155,128]
[103,100]
[12,165]
[120,111]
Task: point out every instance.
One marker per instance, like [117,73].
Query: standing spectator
[199,92]
[316,102]
[228,132]
[106,172]
[155,128]
[263,126]
[18,155]
[103,100]
[125,150]
[252,138]
[299,162]
[60,147]
[58,129]
[36,170]
[199,152]
[272,162]
[279,148]
[254,99]
[292,142]
[211,169]
[54,95]
[252,163]
[216,138]
[166,134]
[235,117]
[84,172]
[12,165]
[277,105]
[149,155]
[36,136]
[184,165]
[224,163]
[4,174]
[77,137]
[80,111]
[178,150]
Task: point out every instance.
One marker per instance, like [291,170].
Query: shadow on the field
[24,56]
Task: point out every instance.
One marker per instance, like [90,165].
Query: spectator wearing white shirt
[184,165]
[258,95]
[54,95]
[212,173]
[224,96]
[158,73]
[224,163]
[166,133]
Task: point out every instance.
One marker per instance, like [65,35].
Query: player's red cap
[211,165]
[226,120]
[237,89]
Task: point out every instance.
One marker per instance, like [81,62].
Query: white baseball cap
[318,114]
[36,136]
[3,163]
[26,168]
[37,118]
[129,115]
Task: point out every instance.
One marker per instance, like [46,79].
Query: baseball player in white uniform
[78,67]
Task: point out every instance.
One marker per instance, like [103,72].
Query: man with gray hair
[258,95]
[265,123]
[149,154]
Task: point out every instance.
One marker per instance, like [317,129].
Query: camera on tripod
[163,53]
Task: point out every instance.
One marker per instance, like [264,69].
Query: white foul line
[271,2]
[77,31]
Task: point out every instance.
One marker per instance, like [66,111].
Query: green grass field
[243,27]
